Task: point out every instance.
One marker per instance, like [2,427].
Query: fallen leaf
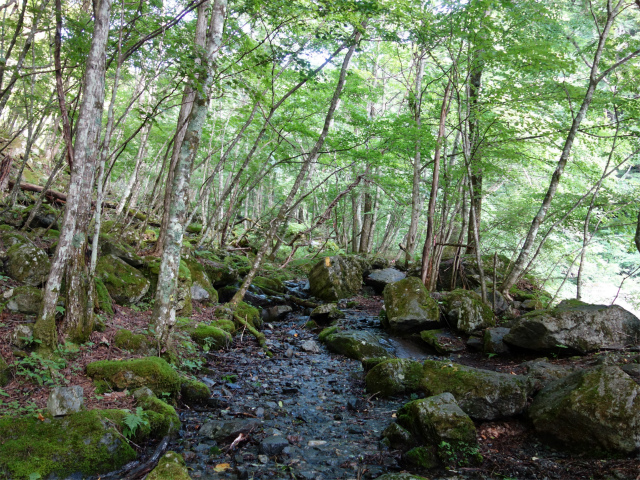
[221,467]
[40,417]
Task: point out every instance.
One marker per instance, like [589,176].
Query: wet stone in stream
[301,414]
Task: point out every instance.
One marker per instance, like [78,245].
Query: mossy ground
[84,442]
[152,372]
[214,337]
[170,467]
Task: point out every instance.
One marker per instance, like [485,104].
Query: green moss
[194,228]
[193,392]
[170,467]
[249,313]
[127,340]
[105,303]
[214,337]
[162,417]
[84,442]
[423,457]
[239,263]
[326,332]
[226,325]
[125,284]
[269,283]
[394,377]
[199,277]
[311,325]
[152,372]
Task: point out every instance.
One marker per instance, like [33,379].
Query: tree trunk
[69,260]
[594,79]
[164,314]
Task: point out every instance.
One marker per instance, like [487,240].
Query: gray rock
[397,437]
[310,346]
[65,400]
[544,372]
[400,476]
[126,284]
[27,263]
[502,305]
[21,335]
[466,313]
[531,304]
[325,313]
[228,430]
[378,279]
[633,370]
[492,341]
[596,410]
[199,294]
[356,344]
[124,252]
[336,277]
[278,312]
[25,300]
[274,445]
[576,326]
[408,306]
[142,392]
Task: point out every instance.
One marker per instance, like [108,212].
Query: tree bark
[69,260]
[164,314]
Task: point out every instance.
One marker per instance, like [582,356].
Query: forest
[179,175]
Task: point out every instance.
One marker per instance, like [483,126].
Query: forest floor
[313,399]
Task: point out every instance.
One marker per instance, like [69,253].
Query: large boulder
[125,284]
[595,411]
[576,327]
[464,272]
[409,307]
[356,344]
[25,300]
[27,264]
[482,394]
[466,312]
[65,400]
[394,377]
[326,313]
[109,245]
[152,372]
[379,279]
[76,446]
[336,277]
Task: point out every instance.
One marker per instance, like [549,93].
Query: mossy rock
[84,443]
[215,338]
[356,344]
[442,341]
[163,418]
[5,372]
[170,467]
[326,313]
[250,314]
[334,278]
[272,284]
[126,285]
[482,394]
[25,300]
[239,263]
[110,245]
[322,336]
[194,228]
[394,377]
[409,307]
[400,476]
[152,372]
[423,457]
[27,264]
[224,324]
[193,392]
[201,288]
[127,340]
[466,311]
[220,273]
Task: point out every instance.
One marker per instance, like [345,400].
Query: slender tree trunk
[164,314]
[594,79]
[416,200]
[181,129]
[310,159]
[69,260]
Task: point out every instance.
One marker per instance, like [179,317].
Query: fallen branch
[262,341]
[137,469]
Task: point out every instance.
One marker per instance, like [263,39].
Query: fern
[133,421]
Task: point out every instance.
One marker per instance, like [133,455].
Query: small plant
[230,378]
[133,421]
[194,364]
[43,371]
[491,355]
[460,454]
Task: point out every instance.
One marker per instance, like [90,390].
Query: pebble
[316,443]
